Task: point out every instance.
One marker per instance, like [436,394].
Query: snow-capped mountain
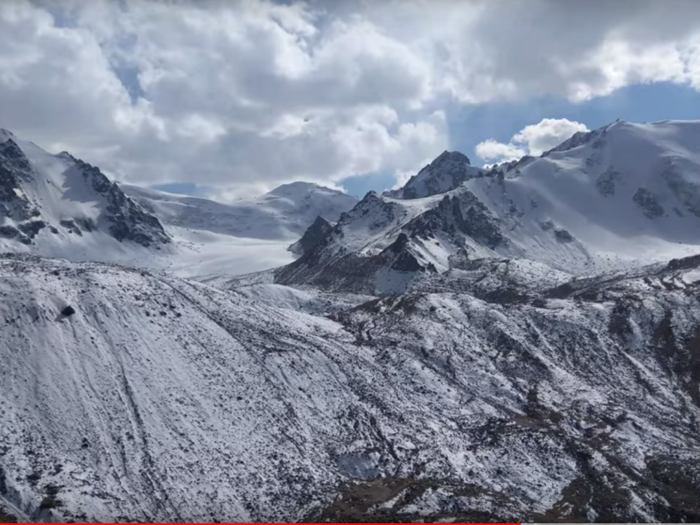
[58,205]
[446,358]
[623,195]
[284,213]
[160,399]
[448,171]
[214,239]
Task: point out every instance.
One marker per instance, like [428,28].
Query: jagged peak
[450,156]
[11,149]
[320,221]
[446,172]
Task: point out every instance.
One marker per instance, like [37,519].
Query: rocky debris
[404,500]
[6,517]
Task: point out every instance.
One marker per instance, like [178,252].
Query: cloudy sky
[231,98]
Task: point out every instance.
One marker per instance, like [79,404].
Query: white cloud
[548,133]
[494,151]
[531,140]
[240,93]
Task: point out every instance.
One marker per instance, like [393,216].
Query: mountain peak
[451,156]
[296,188]
[312,237]
[58,203]
[11,149]
[445,173]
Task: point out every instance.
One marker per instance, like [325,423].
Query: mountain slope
[61,206]
[624,195]
[284,213]
[161,399]
[213,238]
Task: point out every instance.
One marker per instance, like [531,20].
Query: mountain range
[56,205]
[620,196]
[516,343]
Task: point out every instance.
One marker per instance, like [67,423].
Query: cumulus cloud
[251,93]
[531,140]
[493,151]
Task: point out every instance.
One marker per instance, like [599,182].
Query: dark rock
[48,503]
[34,477]
[31,228]
[312,237]
[685,191]
[68,311]
[648,203]
[606,183]
[9,232]
[448,170]
[563,235]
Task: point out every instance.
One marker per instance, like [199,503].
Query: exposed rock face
[127,221]
[445,173]
[606,183]
[333,265]
[648,203]
[14,170]
[688,193]
[23,193]
[312,237]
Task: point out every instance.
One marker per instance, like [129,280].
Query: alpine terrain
[60,206]
[57,205]
[517,343]
[283,213]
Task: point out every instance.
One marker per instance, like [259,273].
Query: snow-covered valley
[515,344]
